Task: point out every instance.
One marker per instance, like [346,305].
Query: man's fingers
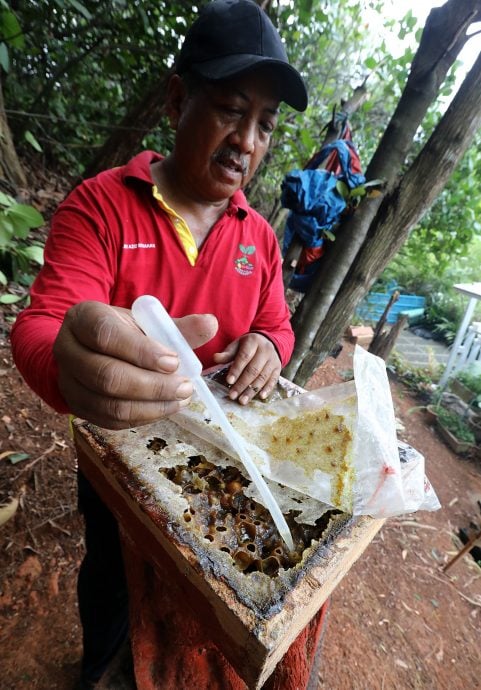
[246,392]
[245,354]
[255,369]
[113,332]
[197,329]
[268,387]
[228,354]
[117,379]
[116,413]
[111,373]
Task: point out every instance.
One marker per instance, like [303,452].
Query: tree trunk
[11,171]
[443,37]
[401,210]
[127,139]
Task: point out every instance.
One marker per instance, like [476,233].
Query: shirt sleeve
[79,262]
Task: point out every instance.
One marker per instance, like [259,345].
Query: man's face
[222,133]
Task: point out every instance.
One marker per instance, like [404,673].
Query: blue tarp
[314,201]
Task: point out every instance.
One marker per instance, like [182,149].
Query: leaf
[307,139]
[145,19]
[343,189]
[11,30]
[27,213]
[6,232]
[8,298]
[81,8]
[14,456]
[358,191]
[305,9]
[8,510]
[4,58]
[34,253]
[20,228]
[370,62]
[6,453]
[6,200]
[18,457]
[3,278]
[28,136]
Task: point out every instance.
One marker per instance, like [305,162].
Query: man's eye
[267,127]
[231,110]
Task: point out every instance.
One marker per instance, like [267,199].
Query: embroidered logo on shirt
[242,264]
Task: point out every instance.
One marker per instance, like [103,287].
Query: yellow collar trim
[181,228]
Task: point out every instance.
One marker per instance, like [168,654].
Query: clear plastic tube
[154,320]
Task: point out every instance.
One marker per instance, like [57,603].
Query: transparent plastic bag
[336,444]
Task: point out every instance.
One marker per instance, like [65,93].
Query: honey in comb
[314,440]
[234,523]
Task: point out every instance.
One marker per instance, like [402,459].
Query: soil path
[396,620]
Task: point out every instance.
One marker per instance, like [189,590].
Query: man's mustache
[230,155]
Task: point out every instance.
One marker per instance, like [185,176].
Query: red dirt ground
[396,620]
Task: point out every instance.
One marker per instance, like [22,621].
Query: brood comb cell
[234,523]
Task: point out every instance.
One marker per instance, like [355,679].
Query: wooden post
[467,547]
[384,340]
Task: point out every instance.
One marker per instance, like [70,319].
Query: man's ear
[174,100]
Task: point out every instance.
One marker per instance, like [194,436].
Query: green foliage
[76,67]
[16,251]
[419,380]
[455,424]
[441,246]
[443,314]
[83,66]
[11,35]
[471,381]
[444,249]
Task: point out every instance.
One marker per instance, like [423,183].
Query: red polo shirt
[111,241]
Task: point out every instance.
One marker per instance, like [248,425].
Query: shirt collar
[138,168]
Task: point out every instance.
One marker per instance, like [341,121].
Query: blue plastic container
[373,305]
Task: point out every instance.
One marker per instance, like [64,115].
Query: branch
[444,27]
[403,208]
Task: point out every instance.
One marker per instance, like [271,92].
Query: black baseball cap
[231,37]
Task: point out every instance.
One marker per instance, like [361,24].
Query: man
[178,228]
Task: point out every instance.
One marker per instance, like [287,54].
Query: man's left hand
[255,367]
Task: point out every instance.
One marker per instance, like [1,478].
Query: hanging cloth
[316,204]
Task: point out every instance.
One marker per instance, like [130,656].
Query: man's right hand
[113,375]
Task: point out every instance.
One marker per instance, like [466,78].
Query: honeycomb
[232,522]
[293,439]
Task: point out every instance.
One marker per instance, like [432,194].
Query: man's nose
[244,135]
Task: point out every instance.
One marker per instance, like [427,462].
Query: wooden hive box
[255,613]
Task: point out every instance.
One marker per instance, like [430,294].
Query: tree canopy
[81,88]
